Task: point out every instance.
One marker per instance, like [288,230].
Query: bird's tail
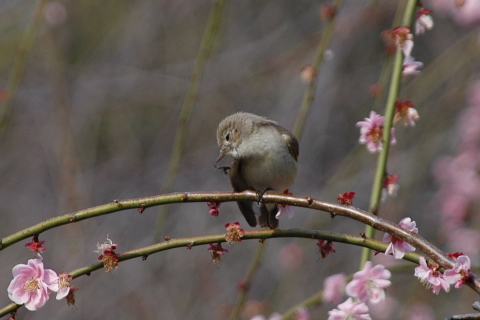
[267,217]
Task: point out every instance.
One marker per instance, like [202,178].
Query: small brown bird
[265,158]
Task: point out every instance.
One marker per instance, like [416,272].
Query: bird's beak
[221,156]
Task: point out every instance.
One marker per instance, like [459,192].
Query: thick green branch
[189,243]
[393,92]
[307,202]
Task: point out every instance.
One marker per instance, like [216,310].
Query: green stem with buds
[393,92]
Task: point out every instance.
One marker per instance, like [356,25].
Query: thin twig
[19,66]
[242,297]
[310,92]
[205,51]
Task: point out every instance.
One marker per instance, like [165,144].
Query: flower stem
[21,60]
[310,92]
[393,92]
[204,53]
[257,260]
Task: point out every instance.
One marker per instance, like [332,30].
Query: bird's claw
[260,194]
[224,168]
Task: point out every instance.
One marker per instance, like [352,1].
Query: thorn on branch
[184,197]
[117,201]
[144,258]
[167,238]
[142,208]
[73,218]
[332,215]
[190,246]
[363,235]
[310,200]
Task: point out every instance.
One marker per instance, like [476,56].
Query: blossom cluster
[32,284]
[368,285]
[432,277]
[396,39]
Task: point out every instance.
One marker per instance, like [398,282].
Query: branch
[334,209]
[189,243]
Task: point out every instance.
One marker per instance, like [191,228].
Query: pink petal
[38,298]
[23,269]
[16,292]
[37,266]
[50,279]
[62,293]
[379,272]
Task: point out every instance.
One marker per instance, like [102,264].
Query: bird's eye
[228,136]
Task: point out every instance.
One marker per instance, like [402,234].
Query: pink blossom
[326,247]
[369,283]
[406,112]
[390,186]
[403,40]
[333,288]
[36,246]
[424,21]
[371,132]
[346,198]
[431,277]
[64,285]
[460,272]
[32,285]
[397,247]
[235,233]
[410,67]
[350,310]
[217,252]
[285,210]
[214,208]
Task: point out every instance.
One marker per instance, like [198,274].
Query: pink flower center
[375,134]
[31,285]
[63,282]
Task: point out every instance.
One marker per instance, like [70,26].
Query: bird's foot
[260,194]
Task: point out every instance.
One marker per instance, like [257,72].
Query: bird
[265,157]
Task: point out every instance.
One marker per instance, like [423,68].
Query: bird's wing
[291,142]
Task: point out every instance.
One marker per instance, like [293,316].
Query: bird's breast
[270,172]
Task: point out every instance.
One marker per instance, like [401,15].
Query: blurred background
[96,111]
